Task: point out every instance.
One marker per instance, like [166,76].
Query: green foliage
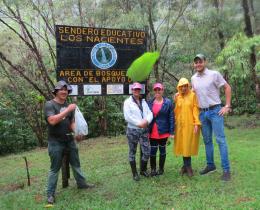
[103,114]
[197,30]
[234,58]
[22,110]
[15,136]
[233,61]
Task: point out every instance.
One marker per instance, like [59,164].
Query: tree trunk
[218,4]
[154,45]
[100,103]
[80,12]
[249,31]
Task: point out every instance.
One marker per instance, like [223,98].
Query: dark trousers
[187,161]
[56,149]
[158,143]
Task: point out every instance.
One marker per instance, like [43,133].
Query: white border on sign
[75,90]
[142,91]
[92,90]
[115,89]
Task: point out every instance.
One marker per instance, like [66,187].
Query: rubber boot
[161,164]
[134,171]
[183,170]
[153,165]
[143,170]
[189,171]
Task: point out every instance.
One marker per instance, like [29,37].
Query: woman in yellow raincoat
[187,124]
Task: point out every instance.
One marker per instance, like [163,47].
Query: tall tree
[249,31]
[218,4]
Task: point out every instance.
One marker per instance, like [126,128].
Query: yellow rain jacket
[186,142]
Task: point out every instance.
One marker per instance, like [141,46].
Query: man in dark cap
[207,83]
[60,118]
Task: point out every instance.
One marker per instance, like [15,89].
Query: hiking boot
[183,170]
[189,171]
[226,176]
[86,186]
[50,199]
[208,170]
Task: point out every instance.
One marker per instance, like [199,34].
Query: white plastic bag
[81,126]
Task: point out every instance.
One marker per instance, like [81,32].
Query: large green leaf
[142,66]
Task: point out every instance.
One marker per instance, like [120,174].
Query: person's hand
[71,107]
[143,124]
[175,96]
[79,138]
[196,129]
[224,110]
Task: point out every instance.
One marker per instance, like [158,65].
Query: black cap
[200,56]
[60,84]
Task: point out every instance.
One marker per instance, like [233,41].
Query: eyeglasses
[136,89]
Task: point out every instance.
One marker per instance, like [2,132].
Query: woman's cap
[136,85]
[158,85]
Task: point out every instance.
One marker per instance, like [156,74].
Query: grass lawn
[105,163]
